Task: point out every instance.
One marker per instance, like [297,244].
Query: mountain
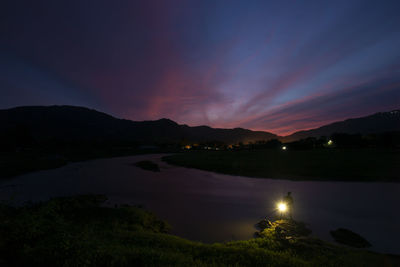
[79,124]
[376,123]
[55,124]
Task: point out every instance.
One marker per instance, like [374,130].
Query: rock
[147,165]
[347,237]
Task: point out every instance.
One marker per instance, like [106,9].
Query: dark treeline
[336,140]
[19,139]
[343,140]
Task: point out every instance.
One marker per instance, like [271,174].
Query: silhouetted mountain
[78,124]
[66,124]
[377,123]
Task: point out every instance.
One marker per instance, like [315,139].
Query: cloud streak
[268,66]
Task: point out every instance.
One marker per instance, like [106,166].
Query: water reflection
[212,207]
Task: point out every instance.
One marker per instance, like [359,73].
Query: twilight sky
[278,66]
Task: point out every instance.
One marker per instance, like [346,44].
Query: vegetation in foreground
[319,164]
[79,231]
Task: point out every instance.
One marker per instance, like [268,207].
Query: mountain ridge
[64,122]
[375,123]
[71,122]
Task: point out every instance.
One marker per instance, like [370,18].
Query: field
[319,164]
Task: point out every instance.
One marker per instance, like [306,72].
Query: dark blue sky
[279,66]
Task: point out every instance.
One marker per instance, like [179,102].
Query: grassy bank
[79,232]
[318,164]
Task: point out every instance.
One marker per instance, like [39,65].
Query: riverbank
[22,162]
[381,165]
[79,231]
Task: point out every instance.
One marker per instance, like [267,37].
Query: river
[210,207]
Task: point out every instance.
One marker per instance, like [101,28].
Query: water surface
[212,207]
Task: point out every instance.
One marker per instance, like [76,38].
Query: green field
[318,164]
[78,231]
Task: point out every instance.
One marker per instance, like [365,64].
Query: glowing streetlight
[284,148]
[330,142]
[282,207]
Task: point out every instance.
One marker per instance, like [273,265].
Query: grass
[318,164]
[78,231]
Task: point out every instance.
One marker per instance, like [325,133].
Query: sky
[278,66]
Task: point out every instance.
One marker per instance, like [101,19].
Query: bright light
[282,207]
[330,142]
[284,148]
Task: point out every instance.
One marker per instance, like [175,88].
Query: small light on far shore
[330,142]
[284,148]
